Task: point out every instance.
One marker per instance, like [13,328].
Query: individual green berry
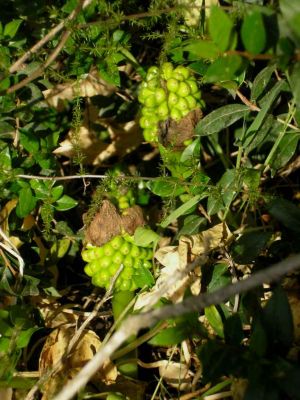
[125,248]
[163,110]
[191,101]
[88,270]
[135,251]
[178,76]
[148,122]
[116,242]
[153,83]
[172,85]
[105,262]
[193,86]
[126,273]
[146,111]
[87,255]
[183,89]
[176,114]
[143,253]
[108,250]
[166,70]
[101,279]
[150,134]
[182,104]
[152,73]
[128,261]
[150,101]
[113,268]
[149,254]
[160,95]
[144,94]
[172,99]
[118,258]
[183,71]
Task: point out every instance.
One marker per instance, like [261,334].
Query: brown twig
[133,324]
[18,64]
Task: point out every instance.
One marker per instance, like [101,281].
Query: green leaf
[224,69]
[221,118]
[5,158]
[192,225]
[261,80]
[185,327]
[143,277]
[65,203]
[291,12]
[165,187]
[26,202]
[191,152]
[253,33]
[294,82]
[233,330]
[180,211]
[249,246]
[25,336]
[220,277]
[214,318]
[285,150]
[56,192]
[285,212]
[278,319]
[145,236]
[29,141]
[265,103]
[202,49]
[223,194]
[220,28]
[11,28]
[258,338]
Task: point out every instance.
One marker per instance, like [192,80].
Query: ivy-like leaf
[11,29]
[26,202]
[221,118]
[224,69]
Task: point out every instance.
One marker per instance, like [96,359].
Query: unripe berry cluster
[167,92]
[104,262]
[123,196]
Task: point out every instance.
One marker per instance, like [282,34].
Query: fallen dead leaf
[174,258]
[54,350]
[91,85]
[176,374]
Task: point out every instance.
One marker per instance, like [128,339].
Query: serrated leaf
[261,80]
[253,33]
[26,202]
[220,28]
[65,203]
[224,69]
[221,118]
[11,28]
[145,236]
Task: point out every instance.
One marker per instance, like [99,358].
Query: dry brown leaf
[53,313]
[108,223]
[55,348]
[91,85]
[174,258]
[125,138]
[176,374]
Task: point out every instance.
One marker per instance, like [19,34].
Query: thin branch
[254,107]
[88,176]
[35,74]
[34,49]
[133,324]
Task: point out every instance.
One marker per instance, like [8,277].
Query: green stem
[280,136]
[120,301]
[239,157]
[219,151]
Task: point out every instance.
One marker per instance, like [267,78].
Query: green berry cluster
[122,195]
[166,92]
[104,262]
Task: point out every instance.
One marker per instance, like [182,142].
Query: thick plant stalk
[120,301]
